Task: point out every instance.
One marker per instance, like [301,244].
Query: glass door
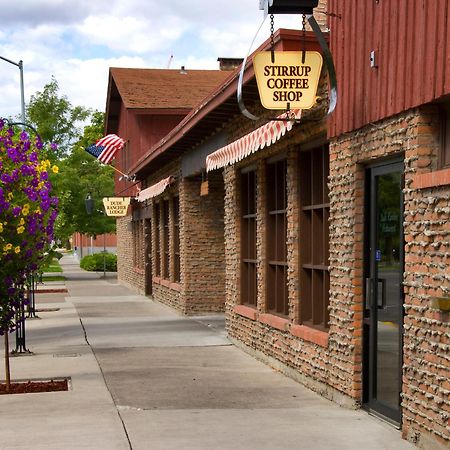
[383,315]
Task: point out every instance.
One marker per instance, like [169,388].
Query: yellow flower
[55,169]
[22,221]
[7,247]
[17,249]
[20,230]
[1,227]
[38,211]
[10,196]
[26,209]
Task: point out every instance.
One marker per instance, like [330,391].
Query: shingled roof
[164,88]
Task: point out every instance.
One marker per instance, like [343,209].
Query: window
[445,137]
[248,238]
[166,249]
[314,237]
[138,248]
[157,239]
[176,239]
[276,197]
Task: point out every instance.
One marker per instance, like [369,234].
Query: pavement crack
[107,387]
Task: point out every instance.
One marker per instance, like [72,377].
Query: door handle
[369,293]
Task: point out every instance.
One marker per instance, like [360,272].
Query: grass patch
[53,267]
[53,278]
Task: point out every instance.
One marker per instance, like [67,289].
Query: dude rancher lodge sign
[288,83]
[116,206]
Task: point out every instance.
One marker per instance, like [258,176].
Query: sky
[77,41]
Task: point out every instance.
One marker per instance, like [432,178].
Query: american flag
[106,148]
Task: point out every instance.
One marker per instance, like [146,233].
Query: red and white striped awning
[154,190]
[262,137]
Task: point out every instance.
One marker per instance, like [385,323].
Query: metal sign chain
[272,41]
[304,38]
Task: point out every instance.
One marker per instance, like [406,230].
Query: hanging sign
[116,206]
[288,81]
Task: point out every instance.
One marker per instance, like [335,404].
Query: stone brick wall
[315,358]
[202,242]
[201,288]
[331,363]
[126,272]
[426,361]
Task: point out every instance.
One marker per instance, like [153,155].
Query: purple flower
[33,157]
[23,136]
[6,178]
[13,155]
[16,211]
[2,124]
[44,176]
[53,146]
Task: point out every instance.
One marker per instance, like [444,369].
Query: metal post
[22,89]
[22,92]
[104,255]
[21,346]
[32,286]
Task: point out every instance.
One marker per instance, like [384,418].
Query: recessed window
[276,248]
[138,248]
[157,222]
[314,237]
[445,137]
[166,250]
[176,238]
[248,238]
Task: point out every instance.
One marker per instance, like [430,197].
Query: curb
[51,291]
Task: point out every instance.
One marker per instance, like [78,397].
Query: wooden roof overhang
[216,109]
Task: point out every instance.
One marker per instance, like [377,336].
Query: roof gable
[164,88]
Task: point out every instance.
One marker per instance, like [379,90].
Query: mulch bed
[27,387]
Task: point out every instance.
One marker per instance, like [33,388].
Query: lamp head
[89,203]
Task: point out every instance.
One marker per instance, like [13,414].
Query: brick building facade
[328,249]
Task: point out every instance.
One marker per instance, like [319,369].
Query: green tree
[79,175]
[56,119]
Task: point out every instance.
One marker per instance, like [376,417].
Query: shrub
[94,263]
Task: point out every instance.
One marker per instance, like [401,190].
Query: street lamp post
[22,89]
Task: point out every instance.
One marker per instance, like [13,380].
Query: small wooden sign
[204,188]
[116,206]
[288,81]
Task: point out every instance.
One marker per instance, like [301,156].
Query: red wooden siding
[411,39]
[142,132]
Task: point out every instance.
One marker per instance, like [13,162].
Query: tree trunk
[7,369]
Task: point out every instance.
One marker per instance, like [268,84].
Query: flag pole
[117,170]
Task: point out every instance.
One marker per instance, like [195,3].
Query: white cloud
[78,43]
[131,34]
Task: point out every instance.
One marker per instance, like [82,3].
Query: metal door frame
[370,323]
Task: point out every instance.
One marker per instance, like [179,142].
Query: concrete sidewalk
[144,377]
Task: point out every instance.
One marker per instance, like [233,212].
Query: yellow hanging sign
[116,206]
[288,80]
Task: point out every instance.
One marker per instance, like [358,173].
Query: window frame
[166,239]
[157,245]
[248,218]
[314,211]
[176,239]
[444,154]
[277,298]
